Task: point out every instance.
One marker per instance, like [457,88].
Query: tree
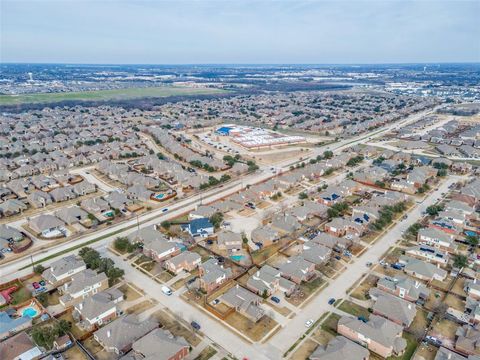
[433,210]
[472,240]
[216,219]
[460,261]
[413,229]
[303,195]
[121,244]
[114,274]
[265,294]
[327,154]
[63,327]
[91,257]
[166,224]
[38,269]
[43,298]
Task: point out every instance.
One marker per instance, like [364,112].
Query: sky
[239,31]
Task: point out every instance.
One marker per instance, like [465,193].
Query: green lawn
[354,309]
[116,94]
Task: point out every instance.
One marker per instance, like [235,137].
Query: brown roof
[15,346]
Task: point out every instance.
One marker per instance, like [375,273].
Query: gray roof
[83,279]
[379,329]
[122,332]
[422,268]
[62,266]
[159,344]
[244,301]
[45,222]
[213,271]
[187,256]
[147,234]
[395,308]
[99,303]
[71,215]
[10,233]
[295,266]
[340,348]
[314,253]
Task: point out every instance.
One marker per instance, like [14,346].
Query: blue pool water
[108,213]
[236,257]
[29,312]
[159,196]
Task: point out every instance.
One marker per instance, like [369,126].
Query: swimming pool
[237,257]
[159,196]
[29,312]
[108,213]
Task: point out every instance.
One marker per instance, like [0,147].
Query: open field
[99,95]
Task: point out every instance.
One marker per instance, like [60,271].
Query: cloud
[168,32]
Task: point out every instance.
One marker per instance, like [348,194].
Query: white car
[308,323]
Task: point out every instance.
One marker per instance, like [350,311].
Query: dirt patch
[455,302]
[74,353]
[361,291]
[305,350]
[206,353]
[322,336]
[129,292]
[141,307]
[254,331]
[176,328]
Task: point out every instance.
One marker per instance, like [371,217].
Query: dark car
[331,301]
[195,325]
[362,319]
[338,257]
[275,299]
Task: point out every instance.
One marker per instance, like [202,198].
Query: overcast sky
[235,32]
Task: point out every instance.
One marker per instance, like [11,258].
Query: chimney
[109,333]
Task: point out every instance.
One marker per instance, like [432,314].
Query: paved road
[338,288]
[293,330]
[85,173]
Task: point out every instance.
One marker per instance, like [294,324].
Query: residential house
[403,287]
[63,194]
[395,309]
[98,309]
[230,241]
[340,227]
[139,192]
[185,261]
[267,280]
[468,339]
[472,288]
[212,275]
[437,239]
[119,335]
[340,348]
[62,270]
[19,347]
[200,227]
[95,206]
[39,199]
[243,301]
[12,325]
[81,286]
[332,242]
[378,335]
[422,270]
[72,215]
[161,248]
[117,200]
[47,226]
[285,223]
[264,236]
[161,344]
[297,269]
[315,253]
[12,207]
[428,253]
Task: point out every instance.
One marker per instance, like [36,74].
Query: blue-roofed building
[200,227]
[10,325]
[224,130]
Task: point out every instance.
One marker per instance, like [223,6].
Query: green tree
[38,269]
[472,240]
[166,224]
[303,195]
[216,219]
[460,261]
[327,154]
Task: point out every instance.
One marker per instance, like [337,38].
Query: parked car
[275,299]
[308,323]
[331,301]
[215,302]
[369,264]
[166,290]
[195,325]
[338,257]
[165,210]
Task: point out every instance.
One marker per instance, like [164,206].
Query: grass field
[99,95]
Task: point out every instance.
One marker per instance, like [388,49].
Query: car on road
[331,301]
[275,299]
[308,323]
[165,210]
[195,325]
[338,258]
[166,290]
[215,302]
[369,264]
